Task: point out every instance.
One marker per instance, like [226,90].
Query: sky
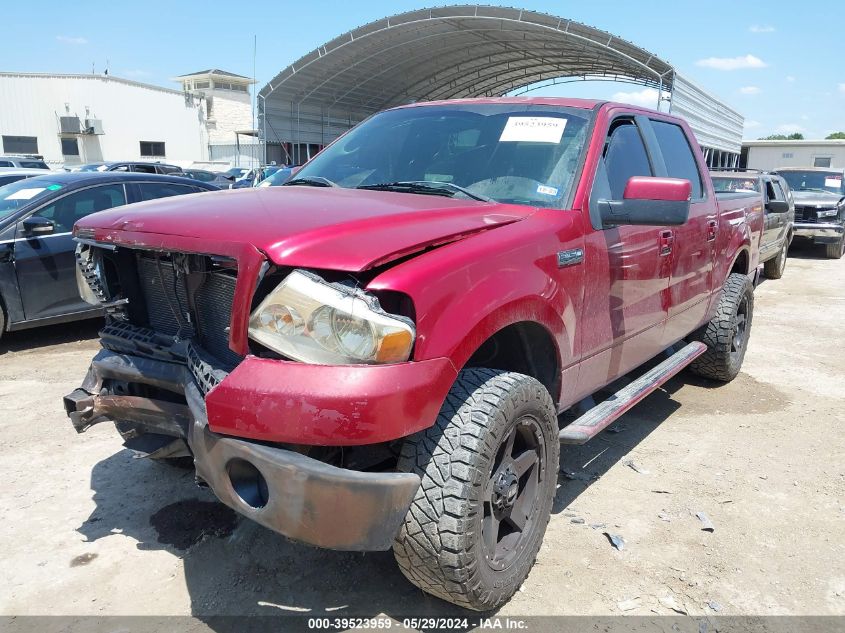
[781,65]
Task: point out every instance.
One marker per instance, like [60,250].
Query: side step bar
[599,417]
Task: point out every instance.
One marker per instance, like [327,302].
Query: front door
[45,265]
[626,298]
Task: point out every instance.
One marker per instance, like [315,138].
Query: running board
[600,417]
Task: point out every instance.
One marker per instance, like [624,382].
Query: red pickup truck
[375,355]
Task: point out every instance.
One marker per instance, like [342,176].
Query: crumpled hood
[815,198]
[316,227]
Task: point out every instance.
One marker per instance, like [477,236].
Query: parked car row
[807,203]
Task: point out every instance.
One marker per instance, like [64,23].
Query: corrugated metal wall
[716,126]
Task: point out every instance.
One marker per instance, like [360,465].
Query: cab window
[624,156]
[678,156]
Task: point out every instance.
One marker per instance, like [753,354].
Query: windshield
[510,153]
[722,184]
[830,181]
[91,167]
[236,172]
[18,194]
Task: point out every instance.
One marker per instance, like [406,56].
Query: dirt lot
[88,529]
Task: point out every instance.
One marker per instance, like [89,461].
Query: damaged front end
[168,342]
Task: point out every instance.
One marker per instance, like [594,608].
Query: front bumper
[295,495]
[820,233]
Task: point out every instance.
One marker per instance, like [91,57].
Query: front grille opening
[142,390]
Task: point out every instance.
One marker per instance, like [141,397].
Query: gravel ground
[89,530]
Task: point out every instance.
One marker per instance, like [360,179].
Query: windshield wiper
[311,181]
[432,187]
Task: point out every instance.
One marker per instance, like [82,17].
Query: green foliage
[797,136]
[835,136]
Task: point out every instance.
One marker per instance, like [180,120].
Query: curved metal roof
[458,51]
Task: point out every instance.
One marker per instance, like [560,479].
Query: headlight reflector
[311,320]
[827,213]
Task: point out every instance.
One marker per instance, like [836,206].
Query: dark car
[37,263]
[819,206]
[779,211]
[139,167]
[23,162]
[211,177]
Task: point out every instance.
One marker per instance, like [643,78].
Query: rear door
[692,243]
[776,223]
[45,266]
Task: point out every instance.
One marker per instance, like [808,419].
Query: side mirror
[777,206]
[36,226]
[649,201]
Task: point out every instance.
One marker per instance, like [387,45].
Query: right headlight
[311,320]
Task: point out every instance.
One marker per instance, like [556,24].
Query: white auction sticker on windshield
[26,194]
[533,129]
[832,182]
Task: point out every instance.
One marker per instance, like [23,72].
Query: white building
[229,116]
[75,119]
[774,154]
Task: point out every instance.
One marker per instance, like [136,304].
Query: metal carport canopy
[441,53]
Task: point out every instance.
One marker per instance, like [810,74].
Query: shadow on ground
[805,249]
[235,567]
[49,335]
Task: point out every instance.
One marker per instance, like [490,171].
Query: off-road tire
[773,268]
[835,250]
[439,546]
[721,362]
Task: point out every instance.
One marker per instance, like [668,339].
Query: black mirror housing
[644,212]
[777,206]
[35,226]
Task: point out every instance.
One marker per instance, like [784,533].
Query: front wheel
[489,470]
[726,335]
[835,250]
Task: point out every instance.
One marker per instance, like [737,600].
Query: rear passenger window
[144,169]
[151,191]
[679,159]
[624,156]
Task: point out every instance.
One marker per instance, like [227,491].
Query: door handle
[712,226]
[667,239]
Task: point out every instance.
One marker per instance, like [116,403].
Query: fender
[465,292]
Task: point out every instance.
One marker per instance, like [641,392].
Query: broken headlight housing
[308,319]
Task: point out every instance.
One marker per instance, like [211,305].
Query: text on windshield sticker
[533,129]
[833,182]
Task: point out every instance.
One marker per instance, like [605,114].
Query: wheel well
[526,348]
[740,263]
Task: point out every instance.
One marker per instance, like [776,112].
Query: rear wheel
[773,269]
[726,335]
[489,470]
[835,250]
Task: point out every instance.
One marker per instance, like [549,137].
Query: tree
[835,136]
[797,136]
